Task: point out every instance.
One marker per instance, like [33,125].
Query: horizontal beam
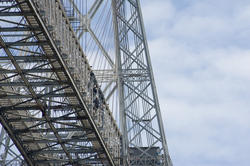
[71,140]
[5,96]
[7,14]
[75,150]
[36,70]
[15,29]
[26,43]
[30,119]
[19,108]
[29,57]
[49,130]
[88,161]
[36,84]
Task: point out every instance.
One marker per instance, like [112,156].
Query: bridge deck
[51,104]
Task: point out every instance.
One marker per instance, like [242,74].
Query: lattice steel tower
[77,86]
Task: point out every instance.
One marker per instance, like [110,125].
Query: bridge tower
[77,85]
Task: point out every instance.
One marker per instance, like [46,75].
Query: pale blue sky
[201,54]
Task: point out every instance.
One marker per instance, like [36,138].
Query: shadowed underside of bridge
[48,92]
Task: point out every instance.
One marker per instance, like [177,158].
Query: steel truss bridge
[77,86]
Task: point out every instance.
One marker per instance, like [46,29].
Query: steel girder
[144,141]
[46,109]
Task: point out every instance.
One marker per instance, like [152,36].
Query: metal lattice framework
[73,74]
[140,112]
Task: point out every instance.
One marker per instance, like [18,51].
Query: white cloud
[201,58]
[234,63]
[155,11]
[157,14]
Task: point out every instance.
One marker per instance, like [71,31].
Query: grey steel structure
[76,85]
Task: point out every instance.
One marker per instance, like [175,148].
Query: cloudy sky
[201,57]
